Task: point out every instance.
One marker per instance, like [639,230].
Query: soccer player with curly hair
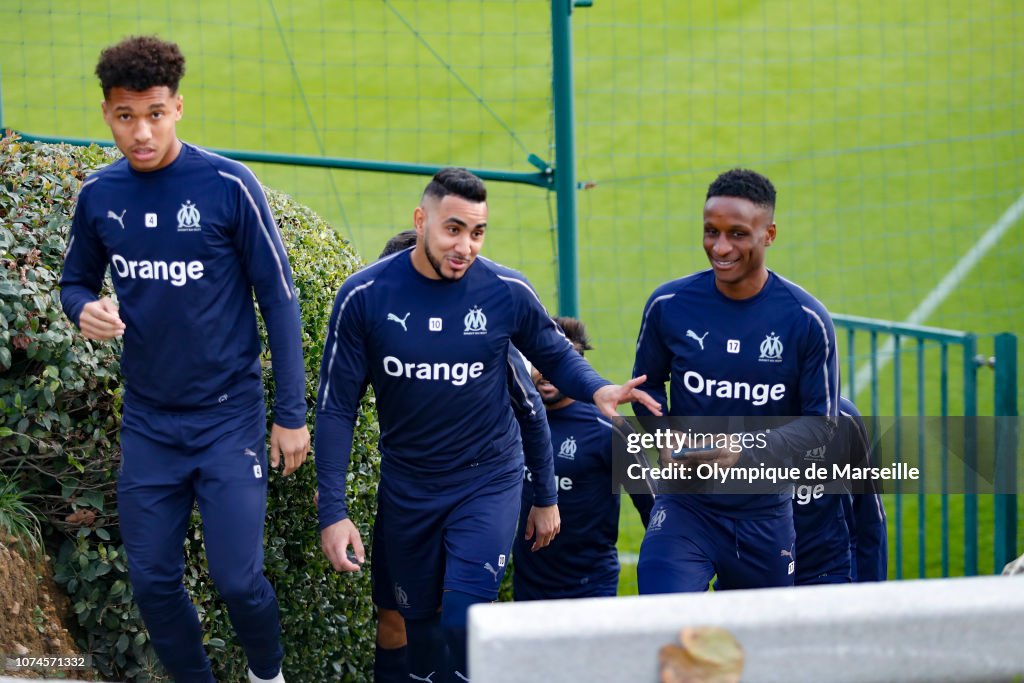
[189,238]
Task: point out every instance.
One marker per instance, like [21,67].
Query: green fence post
[897,427]
[944,412]
[1006,449]
[922,505]
[970,464]
[565,156]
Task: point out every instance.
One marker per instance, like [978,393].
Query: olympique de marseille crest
[476,321]
[188,218]
[568,449]
[771,349]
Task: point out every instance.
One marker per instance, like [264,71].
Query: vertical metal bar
[851,361]
[970,459]
[944,412]
[565,156]
[897,521]
[897,381]
[922,509]
[1006,449]
[874,372]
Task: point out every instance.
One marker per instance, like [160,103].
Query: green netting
[892,130]
[462,82]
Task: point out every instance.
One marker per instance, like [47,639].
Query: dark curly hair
[746,184]
[139,63]
[456,181]
[575,332]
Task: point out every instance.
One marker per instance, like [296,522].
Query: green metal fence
[910,370]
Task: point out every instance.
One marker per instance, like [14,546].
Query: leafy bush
[93,569]
[60,401]
[327,618]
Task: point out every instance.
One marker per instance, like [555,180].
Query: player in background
[735,341]
[840,537]
[390,662]
[582,561]
[865,513]
[188,237]
[431,328]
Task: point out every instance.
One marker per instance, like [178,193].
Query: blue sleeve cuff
[333,444]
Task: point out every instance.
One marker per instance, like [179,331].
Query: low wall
[969,629]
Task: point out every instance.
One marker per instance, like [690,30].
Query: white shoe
[253,678]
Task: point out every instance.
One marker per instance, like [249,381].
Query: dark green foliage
[93,570]
[59,390]
[327,618]
[60,399]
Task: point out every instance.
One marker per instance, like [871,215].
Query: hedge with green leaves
[60,397]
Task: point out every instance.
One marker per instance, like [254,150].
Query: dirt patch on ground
[33,612]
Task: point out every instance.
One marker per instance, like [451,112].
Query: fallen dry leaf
[81,517]
[708,655]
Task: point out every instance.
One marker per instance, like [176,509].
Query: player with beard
[431,329]
[582,561]
[390,664]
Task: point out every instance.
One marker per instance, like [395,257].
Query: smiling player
[451,471]
[718,336]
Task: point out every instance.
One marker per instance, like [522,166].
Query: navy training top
[187,245]
[834,526]
[772,355]
[436,353]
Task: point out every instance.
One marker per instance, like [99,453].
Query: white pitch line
[947,285]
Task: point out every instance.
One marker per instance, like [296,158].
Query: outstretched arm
[611,396]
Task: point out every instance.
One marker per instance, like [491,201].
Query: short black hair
[456,181]
[399,242]
[139,63]
[575,332]
[746,184]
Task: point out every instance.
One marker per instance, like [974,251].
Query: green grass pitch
[893,131]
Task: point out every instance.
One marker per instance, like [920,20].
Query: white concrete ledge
[969,629]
